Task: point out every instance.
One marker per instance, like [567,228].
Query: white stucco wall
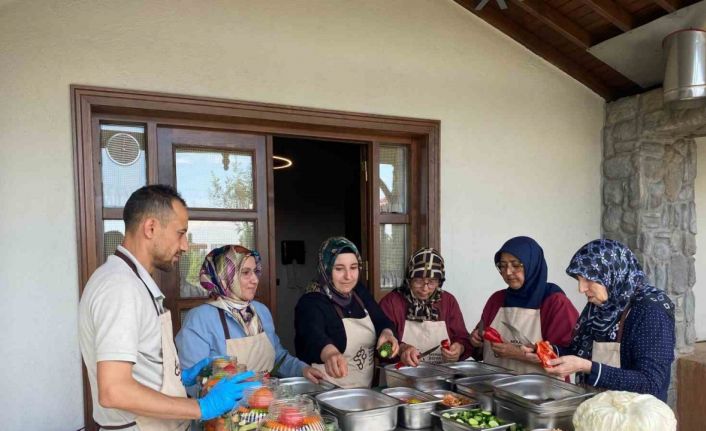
[520,140]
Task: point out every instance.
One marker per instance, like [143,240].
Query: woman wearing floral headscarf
[338,324]
[233,323]
[536,308]
[425,315]
[624,338]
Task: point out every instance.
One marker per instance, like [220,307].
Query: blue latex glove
[189,375]
[222,398]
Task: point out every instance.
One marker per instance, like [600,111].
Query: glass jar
[292,414]
[330,423]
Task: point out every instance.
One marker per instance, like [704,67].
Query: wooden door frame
[281,120]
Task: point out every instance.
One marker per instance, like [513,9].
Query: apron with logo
[255,351]
[608,353]
[360,348]
[526,320]
[171,371]
[425,335]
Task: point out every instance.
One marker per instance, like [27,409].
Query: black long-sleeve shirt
[317,324]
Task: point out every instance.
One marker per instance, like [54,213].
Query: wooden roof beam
[669,5]
[500,21]
[613,13]
[557,21]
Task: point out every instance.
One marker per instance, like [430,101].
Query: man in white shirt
[125,333]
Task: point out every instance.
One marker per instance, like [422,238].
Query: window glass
[393,255]
[215,179]
[123,162]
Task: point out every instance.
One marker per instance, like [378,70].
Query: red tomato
[445,344]
[291,417]
[261,398]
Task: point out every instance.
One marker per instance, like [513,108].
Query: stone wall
[649,167]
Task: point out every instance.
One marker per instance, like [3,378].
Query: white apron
[608,353]
[171,371]
[360,348]
[527,321]
[255,351]
[425,335]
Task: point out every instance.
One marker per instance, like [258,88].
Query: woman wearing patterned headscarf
[338,324]
[233,323]
[424,314]
[536,309]
[624,338]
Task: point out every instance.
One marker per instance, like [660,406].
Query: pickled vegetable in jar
[293,414]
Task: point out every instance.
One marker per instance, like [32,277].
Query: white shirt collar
[146,277]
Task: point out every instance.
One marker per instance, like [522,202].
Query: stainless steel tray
[303,386]
[479,388]
[533,420]
[424,377]
[452,425]
[540,392]
[413,416]
[472,368]
[360,409]
[441,393]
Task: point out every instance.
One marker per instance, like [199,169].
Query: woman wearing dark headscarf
[424,314]
[338,324]
[625,336]
[233,323]
[537,309]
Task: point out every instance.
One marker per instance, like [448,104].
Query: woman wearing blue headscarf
[624,338]
[539,310]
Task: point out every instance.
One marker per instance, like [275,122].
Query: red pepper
[491,334]
[445,344]
[399,365]
[545,352]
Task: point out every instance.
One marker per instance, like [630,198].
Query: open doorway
[318,196]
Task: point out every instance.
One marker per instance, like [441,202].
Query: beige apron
[526,320]
[425,335]
[360,348]
[608,353]
[256,351]
[171,371]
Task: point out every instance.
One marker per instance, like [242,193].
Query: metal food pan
[532,420]
[540,392]
[441,393]
[303,386]
[472,368]
[360,409]
[424,377]
[452,425]
[417,415]
[479,388]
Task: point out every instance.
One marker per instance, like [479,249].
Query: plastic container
[293,414]
[250,411]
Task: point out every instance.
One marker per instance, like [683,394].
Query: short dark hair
[154,200]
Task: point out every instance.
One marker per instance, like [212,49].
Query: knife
[428,352]
[401,364]
[517,335]
[481,328]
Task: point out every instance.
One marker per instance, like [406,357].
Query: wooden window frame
[90,104]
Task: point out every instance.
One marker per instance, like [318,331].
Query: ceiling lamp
[281,162]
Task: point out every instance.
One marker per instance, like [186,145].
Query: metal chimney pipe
[685,72]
